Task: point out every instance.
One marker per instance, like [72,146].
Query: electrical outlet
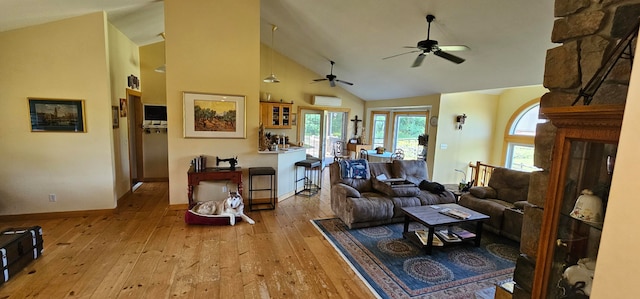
[224,189]
[52,197]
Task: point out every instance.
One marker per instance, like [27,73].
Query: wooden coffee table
[431,217]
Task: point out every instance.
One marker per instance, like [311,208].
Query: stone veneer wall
[587,30]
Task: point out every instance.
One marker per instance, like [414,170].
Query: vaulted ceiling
[507,39]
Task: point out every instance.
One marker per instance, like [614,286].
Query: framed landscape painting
[214,115]
[57,115]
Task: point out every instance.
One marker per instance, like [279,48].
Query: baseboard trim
[56,215]
[151,180]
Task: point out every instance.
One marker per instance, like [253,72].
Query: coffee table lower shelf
[430,217]
[411,236]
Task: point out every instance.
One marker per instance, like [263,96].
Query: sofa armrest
[483,192]
[520,205]
[347,190]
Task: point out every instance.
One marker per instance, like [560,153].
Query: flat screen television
[155,112]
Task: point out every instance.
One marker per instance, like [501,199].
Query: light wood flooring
[145,250]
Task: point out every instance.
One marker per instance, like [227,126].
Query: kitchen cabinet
[276,115]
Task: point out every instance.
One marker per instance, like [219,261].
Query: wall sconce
[460,120]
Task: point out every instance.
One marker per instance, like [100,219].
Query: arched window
[520,135]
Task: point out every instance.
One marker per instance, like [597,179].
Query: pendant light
[272,78]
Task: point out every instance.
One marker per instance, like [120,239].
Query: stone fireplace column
[586,31]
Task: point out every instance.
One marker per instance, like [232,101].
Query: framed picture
[56,115]
[115,117]
[294,119]
[123,108]
[214,115]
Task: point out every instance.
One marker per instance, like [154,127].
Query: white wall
[617,267]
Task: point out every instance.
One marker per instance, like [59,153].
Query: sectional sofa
[362,196]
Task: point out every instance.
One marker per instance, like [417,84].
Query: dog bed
[191,217]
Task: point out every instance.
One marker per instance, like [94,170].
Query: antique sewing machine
[232,162]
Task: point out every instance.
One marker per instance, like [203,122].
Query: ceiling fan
[431,46]
[332,78]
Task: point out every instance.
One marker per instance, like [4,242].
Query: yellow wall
[154,91]
[52,61]
[455,148]
[618,264]
[296,86]
[124,60]
[509,102]
[202,56]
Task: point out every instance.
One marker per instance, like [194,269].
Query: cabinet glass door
[586,179]
[275,118]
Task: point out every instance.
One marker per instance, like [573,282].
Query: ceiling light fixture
[272,78]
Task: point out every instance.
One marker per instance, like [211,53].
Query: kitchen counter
[283,151]
[283,161]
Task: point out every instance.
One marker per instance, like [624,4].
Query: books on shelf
[455,213]
[423,236]
[462,233]
[448,236]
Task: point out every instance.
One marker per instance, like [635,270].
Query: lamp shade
[588,208]
[271,79]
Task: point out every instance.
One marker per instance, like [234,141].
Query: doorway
[136,160]
[320,129]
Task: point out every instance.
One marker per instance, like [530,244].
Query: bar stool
[263,171]
[312,167]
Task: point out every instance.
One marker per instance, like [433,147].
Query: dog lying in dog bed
[224,212]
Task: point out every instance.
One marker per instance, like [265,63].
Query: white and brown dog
[232,206]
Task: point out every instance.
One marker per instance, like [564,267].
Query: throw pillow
[354,169]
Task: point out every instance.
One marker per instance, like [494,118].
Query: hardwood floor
[145,250]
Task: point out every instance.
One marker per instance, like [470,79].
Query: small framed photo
[123,108]
[57,115]
[115,117]
[214,115]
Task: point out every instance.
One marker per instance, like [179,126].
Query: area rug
[393,267]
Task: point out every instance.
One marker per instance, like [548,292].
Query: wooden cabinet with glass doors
[276,115]
[574,213]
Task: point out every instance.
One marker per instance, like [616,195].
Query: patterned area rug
[393,267]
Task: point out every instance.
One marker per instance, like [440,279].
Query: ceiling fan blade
[447,56]
[401,54]
[318,80]
[332,83]
[345,82]
[419,59]
[452,48]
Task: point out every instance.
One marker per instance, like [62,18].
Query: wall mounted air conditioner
[326,101]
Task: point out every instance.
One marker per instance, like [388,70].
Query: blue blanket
[354,169]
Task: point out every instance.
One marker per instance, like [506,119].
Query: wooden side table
[212,174]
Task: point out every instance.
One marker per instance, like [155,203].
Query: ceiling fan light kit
[272,77]
[431,46]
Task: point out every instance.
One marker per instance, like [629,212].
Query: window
[520,136]
[408,126]
[379,126]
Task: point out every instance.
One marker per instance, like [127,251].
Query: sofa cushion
[511,185]
[414,171]
[395,190]
[483,192]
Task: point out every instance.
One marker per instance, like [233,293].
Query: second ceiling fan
[332,78]
[431,46]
